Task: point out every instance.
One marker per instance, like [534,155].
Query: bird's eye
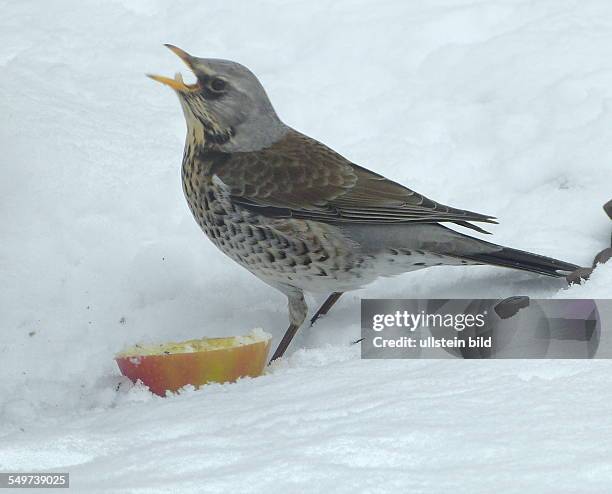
[218,84]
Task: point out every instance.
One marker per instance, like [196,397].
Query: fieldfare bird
[298,215]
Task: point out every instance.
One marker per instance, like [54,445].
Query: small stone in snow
[510,306]
[603,257]
[577,276]
[608,208]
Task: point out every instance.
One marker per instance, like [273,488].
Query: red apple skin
[173,371]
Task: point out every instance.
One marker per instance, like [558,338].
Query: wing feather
[300,177]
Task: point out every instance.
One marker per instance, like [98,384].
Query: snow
[499,107]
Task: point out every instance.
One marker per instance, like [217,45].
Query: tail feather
[525,261]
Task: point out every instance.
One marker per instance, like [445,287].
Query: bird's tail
[525,261]
[448,243]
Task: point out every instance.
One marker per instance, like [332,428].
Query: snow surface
[501,107]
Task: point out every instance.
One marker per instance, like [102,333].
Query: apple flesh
[171,366]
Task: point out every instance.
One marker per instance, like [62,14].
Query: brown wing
[301,178]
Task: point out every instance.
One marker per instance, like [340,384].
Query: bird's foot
[326,306]
[284,344]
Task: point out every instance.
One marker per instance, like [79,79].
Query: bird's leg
[297,313]
[327,305]
[282,346]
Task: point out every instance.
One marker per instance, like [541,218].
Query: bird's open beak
[177,83]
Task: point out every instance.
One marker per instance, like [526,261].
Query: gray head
[227,108]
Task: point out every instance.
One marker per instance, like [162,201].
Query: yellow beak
[182,54]
[177,83]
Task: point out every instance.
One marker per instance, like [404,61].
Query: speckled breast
[307,254]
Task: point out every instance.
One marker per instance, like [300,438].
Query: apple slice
[170,366]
